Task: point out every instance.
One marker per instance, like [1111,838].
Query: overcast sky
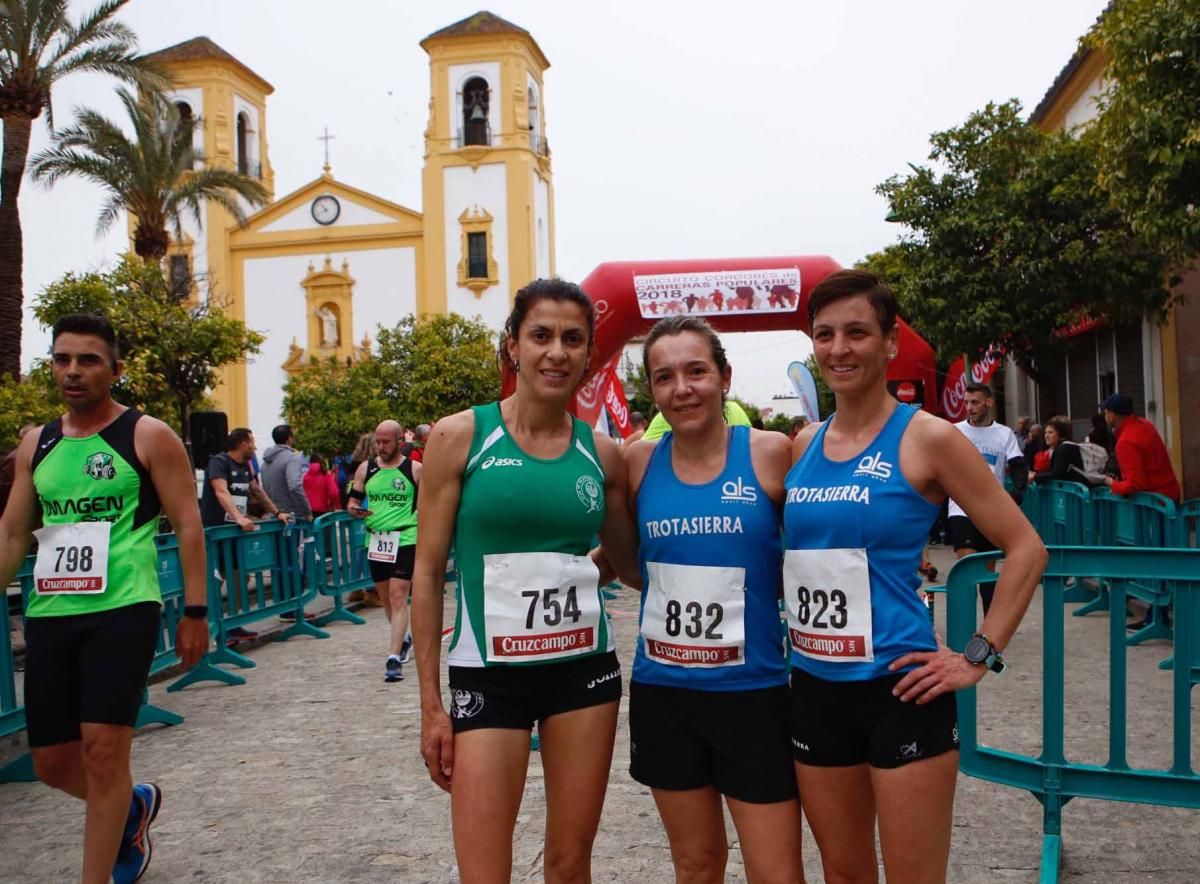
[682,129]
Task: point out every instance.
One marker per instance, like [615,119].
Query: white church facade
[318,269]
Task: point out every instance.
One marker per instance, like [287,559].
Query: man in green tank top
[98,478]
[385,495]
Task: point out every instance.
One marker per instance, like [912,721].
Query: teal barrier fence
[340,553]
[253,576]
[1051,778]
[170,582]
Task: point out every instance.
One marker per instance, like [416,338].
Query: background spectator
[1141,454]
[1063,452]
[321,488]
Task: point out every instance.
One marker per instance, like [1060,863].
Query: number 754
[553,610]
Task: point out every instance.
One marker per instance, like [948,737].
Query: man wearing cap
[1141,454]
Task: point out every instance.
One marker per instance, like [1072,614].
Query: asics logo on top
[501,462]
[100,466]
[875,466]
[737,490]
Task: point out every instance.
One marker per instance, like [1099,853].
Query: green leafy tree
[39,45]
[330,404]
[23,402]
[780,423]
[152,175]
[637,384]
[1148,131]
[752,411]
[432,366]
[172,350]
[1012,239]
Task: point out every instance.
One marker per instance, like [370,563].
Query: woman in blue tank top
[874,732]
[708,703]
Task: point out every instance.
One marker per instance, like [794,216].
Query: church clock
[325,209]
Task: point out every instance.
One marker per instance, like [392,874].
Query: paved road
[310,772]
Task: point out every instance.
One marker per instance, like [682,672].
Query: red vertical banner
[615,401]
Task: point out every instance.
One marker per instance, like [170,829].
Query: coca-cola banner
[615,402]
[955,390]
[601,392]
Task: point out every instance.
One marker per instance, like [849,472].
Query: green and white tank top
[99,513]
[527,591]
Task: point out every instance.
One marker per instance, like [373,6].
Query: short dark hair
[281,434]
[554,289]
[88,324]
[236,437]
[677,325]
[1062,426]
[980,388]
[636,417]
[848,283]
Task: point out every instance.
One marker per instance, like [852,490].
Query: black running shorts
[87,668]
[964,535]
[842,723]
[401,569]
[734,741]
[514,697]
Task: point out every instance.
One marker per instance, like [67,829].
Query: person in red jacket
[321,488]
[1141,454]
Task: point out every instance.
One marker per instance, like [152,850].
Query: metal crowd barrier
[1051,778]
[170,582]
[340,553]
[252,576]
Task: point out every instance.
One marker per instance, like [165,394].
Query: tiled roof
[198,48]
[482,22]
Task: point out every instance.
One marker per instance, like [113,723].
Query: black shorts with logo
[401,569]
[734,741]
[964,535]
[514,697]
[87,668]
[842,723]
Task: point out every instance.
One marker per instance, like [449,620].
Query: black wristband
[196,612]
[355,494]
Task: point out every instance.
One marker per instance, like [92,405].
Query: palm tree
[38,47]
[152,175]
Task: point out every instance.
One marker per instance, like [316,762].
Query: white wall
[543,233]
[385,290]
[301,218]
[1084,109]
[485,187]
[457,75]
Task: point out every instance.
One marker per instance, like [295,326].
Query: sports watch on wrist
[196,612]
[980,650]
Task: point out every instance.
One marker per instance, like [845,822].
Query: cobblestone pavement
[310,772]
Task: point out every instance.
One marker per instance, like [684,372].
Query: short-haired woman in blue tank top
[874,731]
[708,702]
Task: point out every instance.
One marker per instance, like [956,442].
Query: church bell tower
[488,193]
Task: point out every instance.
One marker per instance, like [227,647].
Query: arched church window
[243,144]
[475,112]
[535,123]
[187,122]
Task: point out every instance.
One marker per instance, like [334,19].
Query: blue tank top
[710,557]
[854,534]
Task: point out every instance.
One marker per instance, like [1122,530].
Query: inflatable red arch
[733,295]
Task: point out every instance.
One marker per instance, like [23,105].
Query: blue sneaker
[406,650]
[134,856]
[392,671]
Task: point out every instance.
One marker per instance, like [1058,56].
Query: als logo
[100,466]
[466,704]
[500,462]
[587,489]
[737,490]
[875,466]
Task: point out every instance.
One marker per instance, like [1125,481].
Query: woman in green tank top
[521,488]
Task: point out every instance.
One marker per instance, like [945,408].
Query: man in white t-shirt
[999,447]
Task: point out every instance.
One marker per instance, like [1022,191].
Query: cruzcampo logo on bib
[587,489]
[100,466]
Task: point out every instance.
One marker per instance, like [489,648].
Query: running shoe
[134,856]
[406,649]
[392,671]
[240,634]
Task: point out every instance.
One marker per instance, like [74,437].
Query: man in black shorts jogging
[998,446]
[98,478]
